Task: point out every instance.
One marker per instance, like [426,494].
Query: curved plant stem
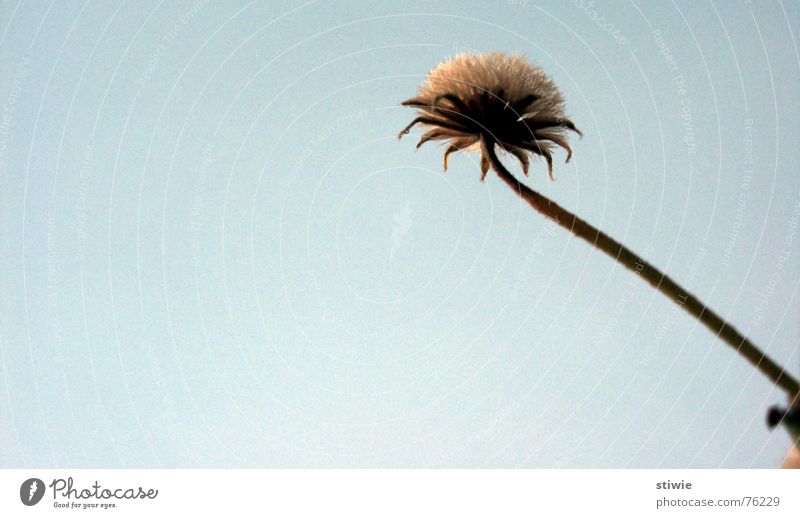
[653,276]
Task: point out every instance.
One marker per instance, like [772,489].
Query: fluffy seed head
[475,100]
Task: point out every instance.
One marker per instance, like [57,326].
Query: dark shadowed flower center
[491,113]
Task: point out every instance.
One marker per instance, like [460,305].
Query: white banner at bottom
[398,493]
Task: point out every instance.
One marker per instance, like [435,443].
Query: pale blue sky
[216,253]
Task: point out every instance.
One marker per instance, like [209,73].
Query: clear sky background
[215,252]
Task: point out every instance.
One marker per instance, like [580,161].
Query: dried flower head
[477,101]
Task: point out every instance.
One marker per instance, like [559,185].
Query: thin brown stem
[653,276]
